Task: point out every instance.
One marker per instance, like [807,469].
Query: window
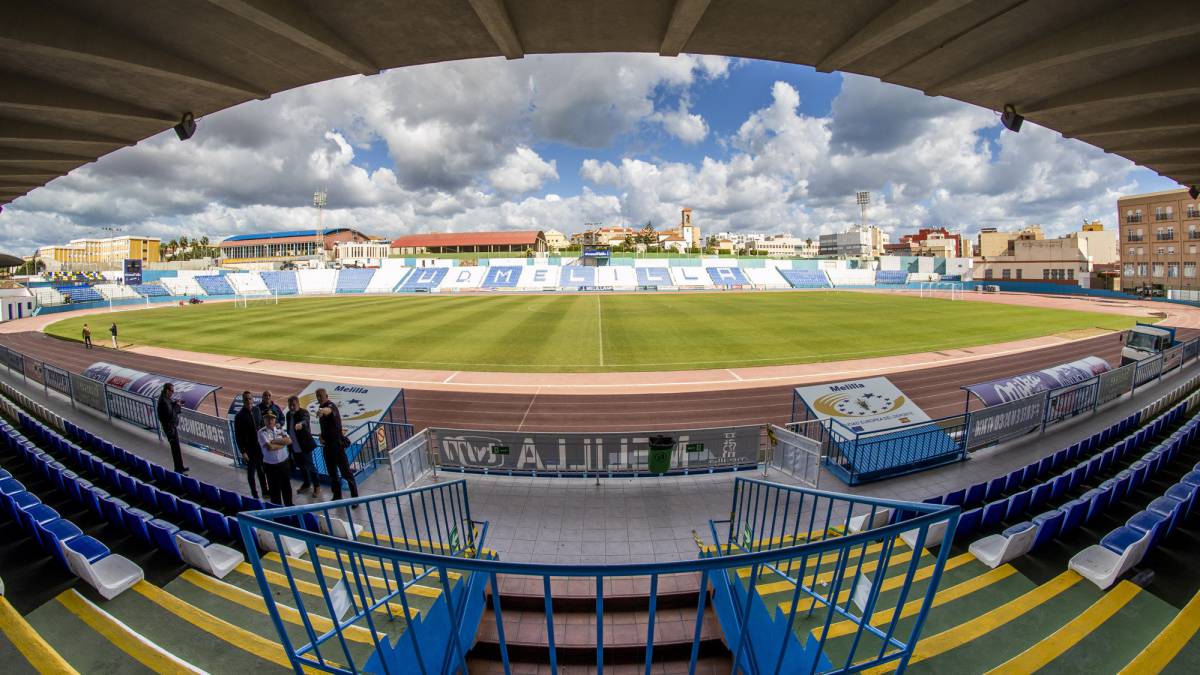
[1170,250]
[1131,250]
[1156,270]
[1192,249]
[1173,270]
[987,274]
[1006,273]
[1020,274]
[1133,215]
[1141,251]
[1191,211]
[1046,273]
[1165,233]
[1071,273]
[1160,250]
[1129,268]
[1189,269]
[1141,269]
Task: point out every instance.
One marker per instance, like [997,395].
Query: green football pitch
[585,333]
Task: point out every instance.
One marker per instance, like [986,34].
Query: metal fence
[796,455]
[858,457]
[409,461]
[408,593]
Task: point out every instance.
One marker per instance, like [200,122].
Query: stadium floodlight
[863,198]
[319,200]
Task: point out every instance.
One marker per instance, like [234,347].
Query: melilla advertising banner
[866,405]
[1008,389]
[358,404]
[594,452]
[189,394]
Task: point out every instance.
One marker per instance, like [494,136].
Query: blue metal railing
[413,583]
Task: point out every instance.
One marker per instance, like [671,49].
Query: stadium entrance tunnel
[791,578]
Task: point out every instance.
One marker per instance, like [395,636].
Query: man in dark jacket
[245,432]
[303,445]
[334,446]
[266,403]
[168,421]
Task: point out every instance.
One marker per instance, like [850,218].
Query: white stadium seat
[881,518]
[110,574]
[936,532]
[997,549]
[216,559]
[340,528]
[293,548]
[1117,552]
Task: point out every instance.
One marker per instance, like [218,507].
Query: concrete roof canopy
[79,80]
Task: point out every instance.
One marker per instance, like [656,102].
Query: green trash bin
[660,454]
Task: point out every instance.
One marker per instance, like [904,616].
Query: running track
[936,390]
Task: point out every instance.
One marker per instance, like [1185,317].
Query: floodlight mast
[319,199]
[864,199]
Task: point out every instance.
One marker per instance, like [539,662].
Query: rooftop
[510,238]
[283,235]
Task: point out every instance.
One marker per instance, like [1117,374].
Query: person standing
[302,446]
[168,421]
[334,443]
[266,404]
[87,336]
[112,330]
[245,432]
[274,443]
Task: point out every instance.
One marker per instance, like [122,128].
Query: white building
[855,243]
[781,245]
[362,253]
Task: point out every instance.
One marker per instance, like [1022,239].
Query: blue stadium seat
[1018,504]
[1149,521]
[1076,512]
[1013,482]
[216,524]
[1041,496]
[135,523]
[151,290]
[891,277]
[975,495]
[806,278]
[162,535]
[995,489]
[955,498]
[210,494]
[354,280]
[281,283]
[231,501]
[1184,493]
[214,284]
[189,514]
[1049,525]
[56,532]
[968,523]
[993,514]
[1171,508]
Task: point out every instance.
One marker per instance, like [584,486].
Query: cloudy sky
[557,141]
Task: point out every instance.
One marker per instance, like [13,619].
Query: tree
[183,242]
[647,235]
[204,241]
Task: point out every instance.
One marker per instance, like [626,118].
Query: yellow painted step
[894,582]
[912,607]
[215,626]
[123,637]
[981,625]
[309,588]
[371,563]
[335,575]
[29,642]
[253,601]
[1163,649]
[1058,642]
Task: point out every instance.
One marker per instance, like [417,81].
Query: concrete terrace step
[705,665]
[579,595]
[575,636]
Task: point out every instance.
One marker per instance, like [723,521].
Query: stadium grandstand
[471,242]
[289,246]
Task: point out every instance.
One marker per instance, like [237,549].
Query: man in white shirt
[274,443]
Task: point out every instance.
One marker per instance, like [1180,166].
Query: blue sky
[556,141]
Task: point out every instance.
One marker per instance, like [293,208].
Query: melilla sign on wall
[872,404]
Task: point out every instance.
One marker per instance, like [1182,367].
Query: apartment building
[1159,241]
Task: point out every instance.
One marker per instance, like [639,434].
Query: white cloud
[451,146]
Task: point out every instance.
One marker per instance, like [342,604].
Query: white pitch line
[450,377]
[531,400]
[600,328]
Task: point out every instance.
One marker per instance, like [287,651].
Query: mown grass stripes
[564,333]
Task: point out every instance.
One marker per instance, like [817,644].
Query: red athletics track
[936,390]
